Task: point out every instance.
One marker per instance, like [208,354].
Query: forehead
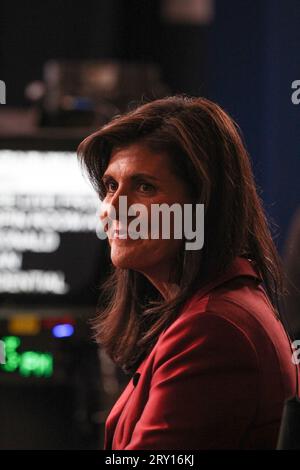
[138,158]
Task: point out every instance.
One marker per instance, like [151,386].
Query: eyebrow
[135,176]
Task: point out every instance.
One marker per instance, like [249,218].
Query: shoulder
[242,303]
[235,321]
[207,336]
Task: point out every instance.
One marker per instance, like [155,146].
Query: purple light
[63,330]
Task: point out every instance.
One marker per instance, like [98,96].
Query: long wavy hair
[207,152]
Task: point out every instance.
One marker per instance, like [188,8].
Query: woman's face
[145,178]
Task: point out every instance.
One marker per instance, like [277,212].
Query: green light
[12,362]
[28,362]
[12,357]
[11,342]
[46,364]
[35,363]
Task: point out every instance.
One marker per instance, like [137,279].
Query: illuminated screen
[48,242]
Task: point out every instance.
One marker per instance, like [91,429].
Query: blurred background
[69,67]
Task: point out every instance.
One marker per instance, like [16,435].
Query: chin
[136,256]
[122,260]
[122,263]
[127,256]
[134,262]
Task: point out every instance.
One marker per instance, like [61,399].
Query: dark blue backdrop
[253,59]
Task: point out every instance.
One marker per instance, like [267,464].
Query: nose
[117,203]
[115,207]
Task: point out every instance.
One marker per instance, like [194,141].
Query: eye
[110,185]
[146,187]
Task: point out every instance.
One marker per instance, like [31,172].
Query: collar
[238,268]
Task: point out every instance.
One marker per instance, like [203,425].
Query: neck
[160,278]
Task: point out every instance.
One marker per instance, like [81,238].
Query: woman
[198,329]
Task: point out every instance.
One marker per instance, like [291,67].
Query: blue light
[62,331]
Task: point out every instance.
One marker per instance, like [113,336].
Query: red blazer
[216,378]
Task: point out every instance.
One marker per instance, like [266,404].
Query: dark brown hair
[207,150]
